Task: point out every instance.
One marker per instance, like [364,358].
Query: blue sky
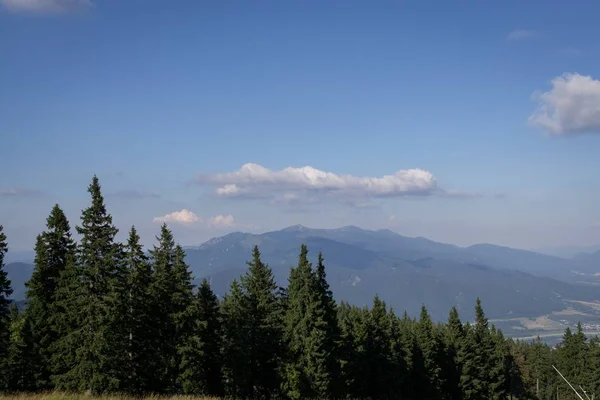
[463,122]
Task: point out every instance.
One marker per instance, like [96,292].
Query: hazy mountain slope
[357,271]
[18,273]
[405,272]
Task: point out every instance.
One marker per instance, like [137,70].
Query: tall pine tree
[22,360]
[139,318]
[52,251]
[100,335]
[235,352]
[263,310]
[5,292]
[201,353]
[171,290]
[432,352]
[310,367]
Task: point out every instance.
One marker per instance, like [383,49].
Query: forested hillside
[102,316]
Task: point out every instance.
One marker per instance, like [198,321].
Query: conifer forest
[103,317]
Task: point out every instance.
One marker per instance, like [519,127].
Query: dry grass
[70,396]
[591,304]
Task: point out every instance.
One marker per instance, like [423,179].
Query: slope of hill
[405,272]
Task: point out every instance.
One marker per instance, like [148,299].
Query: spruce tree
[139,318]
[182,296]
[455,337]
[171,290]
[263,310]
[398,373]
[432,352]
[22,360]
[201,366]
[332,338]
[475,360]
[348,317]
[235,350]
[5,292]
[379,372]
[500,362]
[65,323]
[310,367]
[52,250]
[101,337]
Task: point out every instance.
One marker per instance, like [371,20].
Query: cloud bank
[253,179]
[190,218]
[571,107]
[46,6]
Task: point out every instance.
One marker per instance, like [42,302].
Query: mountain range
[407,272]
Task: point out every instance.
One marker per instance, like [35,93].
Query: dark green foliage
[310,333]
[262,309]
[97,304]
[201,365]
[5,292]
[236,354]
[52,251]
[432,353]
[454,347]
[171,290]
[22,360]
[139,320]
[64,322]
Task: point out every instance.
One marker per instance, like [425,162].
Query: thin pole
[568,383]
[584,392]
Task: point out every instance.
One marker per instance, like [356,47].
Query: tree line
[107,317]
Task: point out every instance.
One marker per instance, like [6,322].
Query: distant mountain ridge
[406,272]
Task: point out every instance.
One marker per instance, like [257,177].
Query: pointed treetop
[303,255]
[255,252]
[424,317]
[133,235]
[454,322]
[165,239]
[96,191]
[3,245]
[321,267]
[57,220]
[5,284]
[205,291]
[480,318]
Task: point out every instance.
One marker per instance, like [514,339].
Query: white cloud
[46,6]
[222,221]
[520,34]
[254,178]
[571,107]
[184,216]
[189,218]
